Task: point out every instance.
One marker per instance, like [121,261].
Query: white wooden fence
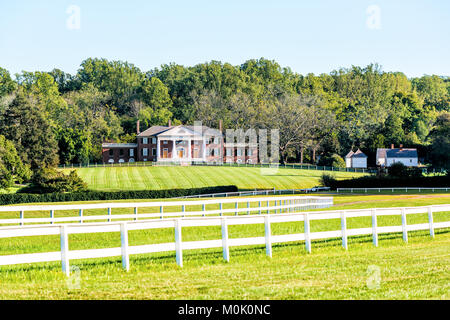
[255,193]
[64,255]
[259,205]
[392,189]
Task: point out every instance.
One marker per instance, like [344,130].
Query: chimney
[137,127]
[170,122]
[392,146]
[220,126]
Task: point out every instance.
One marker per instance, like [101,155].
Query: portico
[180,144]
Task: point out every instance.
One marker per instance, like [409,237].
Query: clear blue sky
[308,36]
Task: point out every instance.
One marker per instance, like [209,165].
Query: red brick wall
[116,154]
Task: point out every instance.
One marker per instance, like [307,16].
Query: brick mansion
[182,144]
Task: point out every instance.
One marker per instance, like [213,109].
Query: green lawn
[152,177]
[419,269]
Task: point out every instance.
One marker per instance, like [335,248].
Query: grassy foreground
[419,269]
[139,178]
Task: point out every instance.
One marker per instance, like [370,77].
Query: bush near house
[386,182]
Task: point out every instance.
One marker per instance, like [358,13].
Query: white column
[204,149]
[174,149]
[189,149]
[158,149]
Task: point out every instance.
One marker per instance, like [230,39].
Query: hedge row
[102,195]
[391,182]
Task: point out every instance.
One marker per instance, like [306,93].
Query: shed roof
[357,154]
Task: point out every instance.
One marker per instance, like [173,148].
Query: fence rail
[254,193]
[168,209]
[64,255]
[225,164]
[393,189]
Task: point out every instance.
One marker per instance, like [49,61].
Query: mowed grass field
[419,269]
[245,178]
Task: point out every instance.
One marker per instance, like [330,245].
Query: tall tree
[24,123]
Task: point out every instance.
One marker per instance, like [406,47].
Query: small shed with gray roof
[356,159]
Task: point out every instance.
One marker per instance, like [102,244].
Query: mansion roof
[193,130]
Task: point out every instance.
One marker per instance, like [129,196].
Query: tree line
[57,118]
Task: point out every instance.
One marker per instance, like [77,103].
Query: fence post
[430,221]
[22,216]
[259,204]
[267,233]
[344,230]
[226,250]
[221,209]
[182,210]
[307,232]
[203,209]
[52,215]
[374,228]
[109,214]
[124,246]
[236,206]
[81,215]
[64,250]
[178,243]
[248,206]
[404,226]
[135,213]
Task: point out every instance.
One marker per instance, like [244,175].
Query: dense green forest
[57,118]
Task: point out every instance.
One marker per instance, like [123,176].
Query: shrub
[332,161]
[393,182]
[102,195]
[49,180]
[328,180]
[398,169]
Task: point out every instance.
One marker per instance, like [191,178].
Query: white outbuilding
[356,159]
[407,156]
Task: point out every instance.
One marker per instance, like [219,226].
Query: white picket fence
[64,255]
[392,189]
[167,209]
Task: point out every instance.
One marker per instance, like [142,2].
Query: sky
[308,36]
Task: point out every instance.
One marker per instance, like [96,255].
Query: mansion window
[121,152]
[154,140]
[154,152]
[229,152]
[145,152]
[145,140]
[131,152]
[111,152]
